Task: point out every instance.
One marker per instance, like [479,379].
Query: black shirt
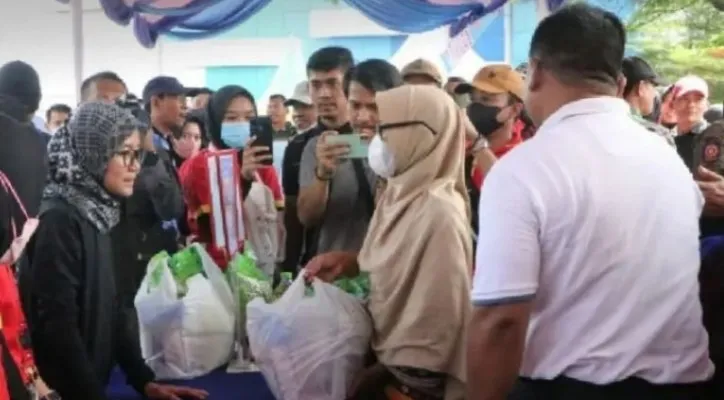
[69,297]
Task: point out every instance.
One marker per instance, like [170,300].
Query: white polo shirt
[596,221]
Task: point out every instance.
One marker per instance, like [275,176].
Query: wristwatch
[480,143]
[323,178]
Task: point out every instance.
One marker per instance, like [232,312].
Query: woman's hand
[253,158]
[328,267]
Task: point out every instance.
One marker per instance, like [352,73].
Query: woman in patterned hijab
[68,289]
[89,162]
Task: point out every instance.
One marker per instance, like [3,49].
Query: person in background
[496,95]
[189,143]
[104,86]
[461,99]
[575,225]
[278,113]
[305,117]
[164,98]
[714,113]
[326,69]
[419,312]
[23,154]
[200,98]
[23,159]
[229,113]
[421,72]
[667,117]
[66,282]
[640,93]
[56,116]
[335,188]
[690,102]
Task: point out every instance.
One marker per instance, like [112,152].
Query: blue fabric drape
[416,16]
[215,17]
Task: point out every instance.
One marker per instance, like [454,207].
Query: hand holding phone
[263,134]
[357,146]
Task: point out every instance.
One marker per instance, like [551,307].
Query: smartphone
[261,129]
[357,146]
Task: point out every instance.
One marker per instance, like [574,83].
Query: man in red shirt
[496,95]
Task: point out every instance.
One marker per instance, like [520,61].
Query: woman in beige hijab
[418,250]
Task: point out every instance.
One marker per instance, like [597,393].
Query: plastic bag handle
[10,189]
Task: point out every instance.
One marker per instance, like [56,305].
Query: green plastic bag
[359,286]
[185,264]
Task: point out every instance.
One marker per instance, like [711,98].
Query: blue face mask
[235,134]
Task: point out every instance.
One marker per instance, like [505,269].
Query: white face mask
[380,158]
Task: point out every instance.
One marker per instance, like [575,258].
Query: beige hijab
[418,248]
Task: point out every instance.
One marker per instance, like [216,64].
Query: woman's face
[190,141]
[123,167]
[240,109]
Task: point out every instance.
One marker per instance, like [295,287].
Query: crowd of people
[534,233]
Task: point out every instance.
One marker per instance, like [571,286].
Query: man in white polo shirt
[586,283]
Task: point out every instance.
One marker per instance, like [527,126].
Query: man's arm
[313,192]
[507,267]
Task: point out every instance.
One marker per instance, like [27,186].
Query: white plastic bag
[264,228]
[190,336]
[311,343]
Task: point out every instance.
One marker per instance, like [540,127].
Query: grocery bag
[185,332]
[311,343]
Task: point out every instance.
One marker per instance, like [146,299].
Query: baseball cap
[159,85]
[300,95]
[495,79]
[691,83]
[636,70]
[424,68]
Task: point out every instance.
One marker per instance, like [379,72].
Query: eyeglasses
[130,157]
[404,124]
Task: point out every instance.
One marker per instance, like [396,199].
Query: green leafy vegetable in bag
[157,265]
[185,264]
[359,286]
[285,281]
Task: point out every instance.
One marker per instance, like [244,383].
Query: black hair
[59,108]
[330,58]
[215,110]
[278,96]
[101,76]
[374,75]
[197,117]
[581,45]
[455,79]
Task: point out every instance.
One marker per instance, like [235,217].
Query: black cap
[163,85]
[193,92]
[636,70]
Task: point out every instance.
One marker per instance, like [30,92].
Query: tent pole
[76,12]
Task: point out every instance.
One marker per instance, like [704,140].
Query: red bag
[14,327]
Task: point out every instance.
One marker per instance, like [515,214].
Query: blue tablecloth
[219,384]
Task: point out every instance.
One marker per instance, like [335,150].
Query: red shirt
[194,178]
[515,139]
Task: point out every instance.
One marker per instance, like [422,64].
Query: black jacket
[24,159]
[156,198]
[69,298]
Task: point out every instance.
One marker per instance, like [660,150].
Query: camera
[134,105]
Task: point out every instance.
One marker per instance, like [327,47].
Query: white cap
[301,95]
[691,83]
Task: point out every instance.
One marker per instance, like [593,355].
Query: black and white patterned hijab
[78,156]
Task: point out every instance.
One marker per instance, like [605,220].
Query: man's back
[24,159]
[616,214]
